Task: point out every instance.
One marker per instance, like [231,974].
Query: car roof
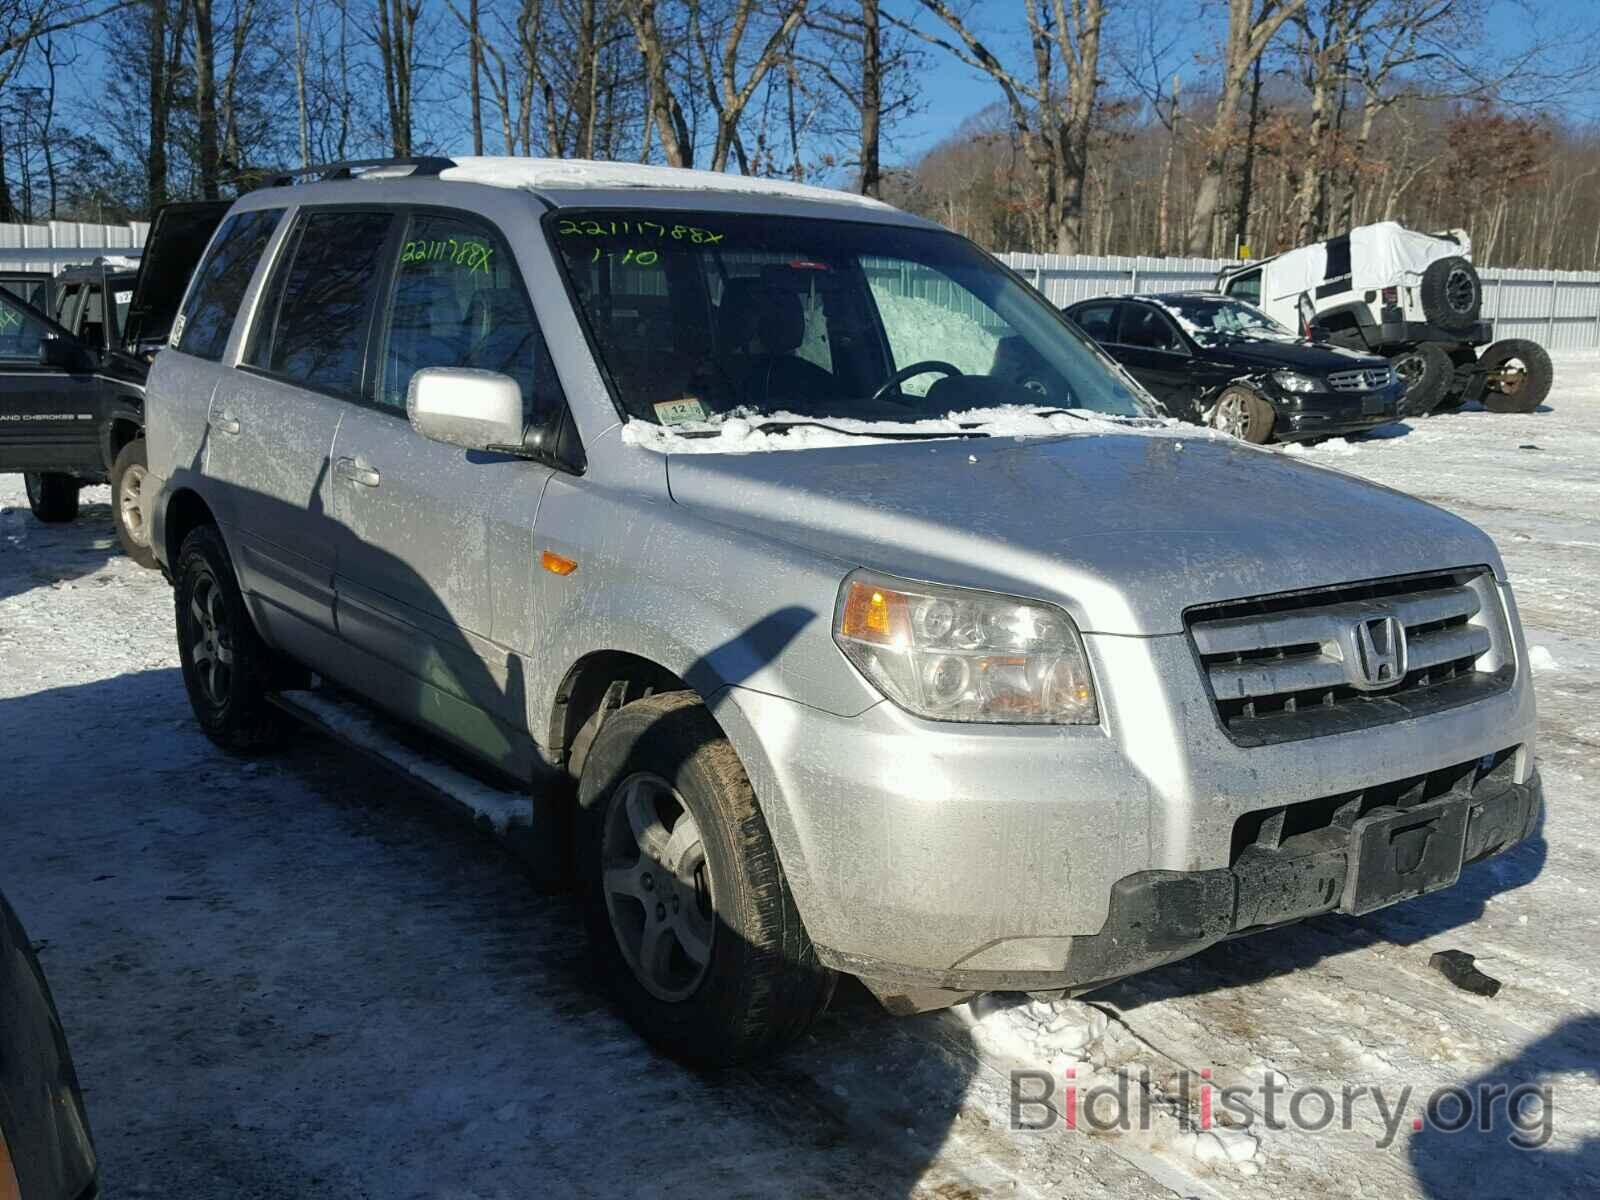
[581,183]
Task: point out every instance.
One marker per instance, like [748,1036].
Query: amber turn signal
[557,564]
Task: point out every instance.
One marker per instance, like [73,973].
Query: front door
[1153,350]
[436,556]
[47,413]
[273,418]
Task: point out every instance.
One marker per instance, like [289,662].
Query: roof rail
[421,165]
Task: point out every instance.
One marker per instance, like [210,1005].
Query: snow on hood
[741,434]
[540,173]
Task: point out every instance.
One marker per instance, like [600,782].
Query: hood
[178,237]
[1123,530]
[1295,356]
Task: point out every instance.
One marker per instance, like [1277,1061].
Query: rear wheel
[1517,376]
[690,917]
[52,497]
[1466,380]
[128,475]
[1243,414]
[227,669]
[1426,370]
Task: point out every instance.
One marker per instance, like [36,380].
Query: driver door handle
[225,422]
[349,468]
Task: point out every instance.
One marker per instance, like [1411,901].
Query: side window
[91,326]
[458,301]
[202,328]
[67,305]
[20,333]
[1147,329]
[1098,321]
[1246,287]
[315,316]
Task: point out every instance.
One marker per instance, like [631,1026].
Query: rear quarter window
[204,325]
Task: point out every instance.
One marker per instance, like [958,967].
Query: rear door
[434,539]
[47,414]
[272,419]
[1153,350]
[178,237]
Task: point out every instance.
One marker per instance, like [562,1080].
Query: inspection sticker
[680,412]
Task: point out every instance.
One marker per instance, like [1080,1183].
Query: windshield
[1209,320]
[699,316]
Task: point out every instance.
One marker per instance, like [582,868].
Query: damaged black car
[1218,361]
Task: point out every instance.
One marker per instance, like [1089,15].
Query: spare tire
[1426,370]
[1452,294]
[1517,375]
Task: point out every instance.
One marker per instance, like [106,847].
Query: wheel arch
[183,512]
[598,678]
[124,424]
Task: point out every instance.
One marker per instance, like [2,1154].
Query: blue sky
[955,91]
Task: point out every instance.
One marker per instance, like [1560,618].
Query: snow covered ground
[299,978]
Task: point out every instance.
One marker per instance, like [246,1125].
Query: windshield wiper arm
[898,435]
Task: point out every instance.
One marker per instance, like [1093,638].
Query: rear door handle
[225,422]
[349,468]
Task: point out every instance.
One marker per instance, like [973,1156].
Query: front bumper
[1158,917]
[1334,414]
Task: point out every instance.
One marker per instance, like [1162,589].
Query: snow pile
[1540,659]
[743,435]
[539,174]
[1054,1034]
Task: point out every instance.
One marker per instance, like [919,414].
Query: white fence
[58,244]
[1559,309]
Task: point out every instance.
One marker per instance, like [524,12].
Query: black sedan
[1218,361]
[45,1149]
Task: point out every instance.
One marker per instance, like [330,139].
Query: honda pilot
[833,603]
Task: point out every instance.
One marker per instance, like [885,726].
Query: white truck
[1416,299]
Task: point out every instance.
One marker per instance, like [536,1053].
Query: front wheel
[52,497]
[1426,370]
[1242,413]
[227,669]
[128,475]
[690,917]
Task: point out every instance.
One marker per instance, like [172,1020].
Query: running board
[507,813]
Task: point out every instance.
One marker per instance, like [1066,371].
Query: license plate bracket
[1395,854]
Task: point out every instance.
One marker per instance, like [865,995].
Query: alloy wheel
[1232,418]
[658,887]
[211,647]
[128,511]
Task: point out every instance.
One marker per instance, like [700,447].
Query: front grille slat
[1363,380]
[1291,666]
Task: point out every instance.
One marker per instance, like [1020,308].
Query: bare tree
[1052,119]
[1252,24]
[718,40]
[397,51]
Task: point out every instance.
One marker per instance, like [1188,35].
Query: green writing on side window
[9,320]
[631,228]
[470,256]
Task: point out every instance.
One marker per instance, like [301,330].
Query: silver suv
[840,604]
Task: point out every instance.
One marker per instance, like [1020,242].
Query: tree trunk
[1164,213]
[1248,37]
[871,99]
[205,96]
[475,63]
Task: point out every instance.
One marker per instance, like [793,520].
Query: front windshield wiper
[897,435]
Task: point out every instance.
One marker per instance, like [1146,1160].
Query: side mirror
[65,353]
[460,406]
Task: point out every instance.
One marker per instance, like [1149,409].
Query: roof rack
[421,165]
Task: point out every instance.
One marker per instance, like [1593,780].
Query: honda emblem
[1380,653]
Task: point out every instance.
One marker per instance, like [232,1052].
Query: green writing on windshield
[589,227]
[629,257]
[470,256]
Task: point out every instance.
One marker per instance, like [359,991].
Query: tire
[227,669]
[1452,294]
[128,474]
[1517,375]
[52,497]
[654,763]
[1242,413]
[1427,371]
[1466,381]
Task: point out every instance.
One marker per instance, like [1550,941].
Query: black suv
[1218,361]
[72,378]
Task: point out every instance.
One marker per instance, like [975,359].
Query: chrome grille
[1299,665]
[1364,380]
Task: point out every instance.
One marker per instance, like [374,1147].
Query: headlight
[958,655]
[1293,381]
